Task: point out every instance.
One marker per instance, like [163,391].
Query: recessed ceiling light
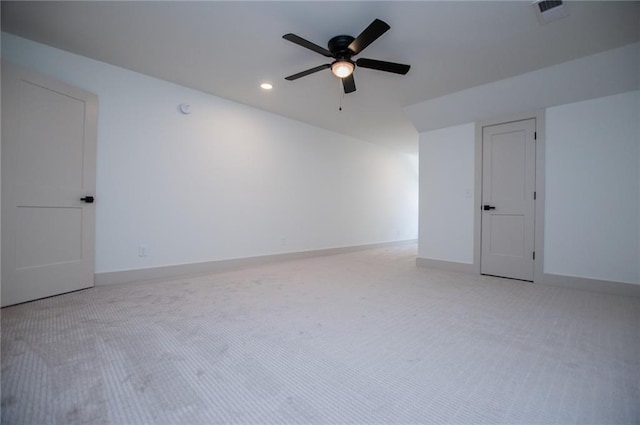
[266,86]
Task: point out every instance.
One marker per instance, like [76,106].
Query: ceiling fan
[342,48]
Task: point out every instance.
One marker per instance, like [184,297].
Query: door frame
[539,116]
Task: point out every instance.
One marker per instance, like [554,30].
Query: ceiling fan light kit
[342,48]
[342,69]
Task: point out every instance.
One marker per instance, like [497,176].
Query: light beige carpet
[356,338]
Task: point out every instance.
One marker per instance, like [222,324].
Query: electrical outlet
[142,251]
[283,241]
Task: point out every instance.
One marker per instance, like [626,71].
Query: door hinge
[535,135]
[534,195]
[534,255]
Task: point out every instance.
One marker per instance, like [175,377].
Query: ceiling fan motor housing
[339,46]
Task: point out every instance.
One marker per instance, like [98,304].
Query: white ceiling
[229,48]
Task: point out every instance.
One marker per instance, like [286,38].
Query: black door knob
[488,207]
[87,199]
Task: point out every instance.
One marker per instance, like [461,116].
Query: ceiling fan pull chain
[340,95]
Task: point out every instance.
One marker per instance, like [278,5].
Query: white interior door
[48,165]
[508,191]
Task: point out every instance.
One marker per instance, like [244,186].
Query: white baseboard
[592,285]
[584,284]
[179,270]
[451,266]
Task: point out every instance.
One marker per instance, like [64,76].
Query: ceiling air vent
[549,10]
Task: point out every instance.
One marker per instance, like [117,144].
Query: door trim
[539,116]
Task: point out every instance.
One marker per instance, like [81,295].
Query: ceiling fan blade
[307,72]
[349,84]
[396,68]
[368,36]
[307,44]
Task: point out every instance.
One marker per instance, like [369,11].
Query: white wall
[592,187]
[447,194]
[592,177]
[226,181]
[592,215]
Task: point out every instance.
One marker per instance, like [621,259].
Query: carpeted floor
[356,338]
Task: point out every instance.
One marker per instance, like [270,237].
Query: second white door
[508,199]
